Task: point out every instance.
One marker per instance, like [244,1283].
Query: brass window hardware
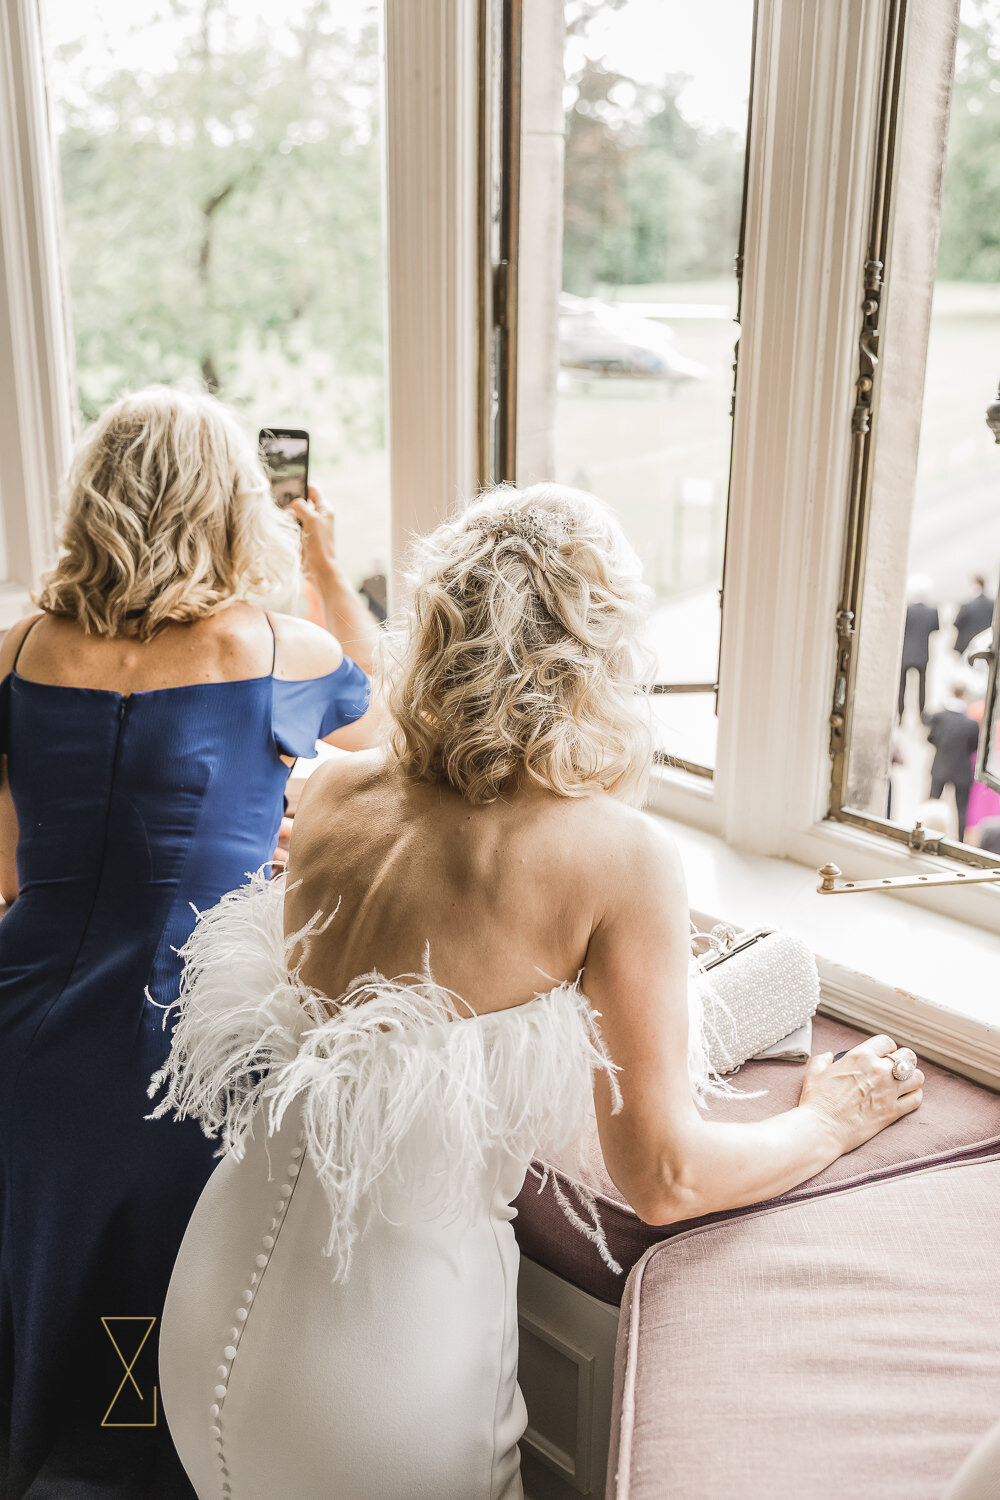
[923,842]
[831,884]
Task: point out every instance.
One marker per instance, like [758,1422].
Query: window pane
[686,727]
[222,208]
[634,133]
[932,587]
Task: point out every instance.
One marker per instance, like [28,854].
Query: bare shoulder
[311,873]
[635,858]
[304,649]
[12,639]
[327,789]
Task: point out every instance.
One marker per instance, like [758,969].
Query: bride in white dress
[341,1322]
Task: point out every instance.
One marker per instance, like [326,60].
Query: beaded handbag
[756,988]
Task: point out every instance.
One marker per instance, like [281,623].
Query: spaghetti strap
[20,647]
[274,642]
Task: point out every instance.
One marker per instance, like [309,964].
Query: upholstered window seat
[840,1346]
[958,1120]
[839,1341]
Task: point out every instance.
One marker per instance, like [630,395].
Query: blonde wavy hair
[167,516]
[520,659]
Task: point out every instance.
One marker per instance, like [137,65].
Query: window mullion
[432,57]
[36,406]
[813,127]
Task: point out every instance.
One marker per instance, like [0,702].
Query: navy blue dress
[131,811]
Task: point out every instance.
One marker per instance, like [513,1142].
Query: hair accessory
[550,528]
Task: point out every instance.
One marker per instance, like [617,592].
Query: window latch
[831,884]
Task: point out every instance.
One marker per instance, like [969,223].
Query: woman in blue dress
[149,716]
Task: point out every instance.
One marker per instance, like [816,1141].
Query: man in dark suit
[921,623]
[974,616]
[954,737]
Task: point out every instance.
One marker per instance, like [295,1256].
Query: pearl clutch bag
[756,988]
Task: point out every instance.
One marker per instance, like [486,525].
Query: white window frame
[816,76]
[811,166]
[36,383]
[435,270]
[434,274]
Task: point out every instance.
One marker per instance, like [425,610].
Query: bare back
[503,897]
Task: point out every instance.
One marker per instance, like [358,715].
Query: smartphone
[285,454]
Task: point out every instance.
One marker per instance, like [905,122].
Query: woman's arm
[346,614]
[668,1161]
[306,650]
[363,733]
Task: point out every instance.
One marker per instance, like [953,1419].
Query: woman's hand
[672,1161]
[858,1095]
[319,555]
[346,615]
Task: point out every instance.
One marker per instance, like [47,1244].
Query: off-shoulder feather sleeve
[388,1059]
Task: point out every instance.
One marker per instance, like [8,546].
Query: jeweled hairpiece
[549,528]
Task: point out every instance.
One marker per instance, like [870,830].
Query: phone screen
[285,452]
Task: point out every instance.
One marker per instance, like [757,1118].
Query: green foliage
[648,196]
[970,220]
[226,203]
[651,198]
[223,209]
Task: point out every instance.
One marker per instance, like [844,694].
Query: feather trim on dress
[389,1058]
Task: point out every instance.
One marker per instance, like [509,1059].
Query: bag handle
[722,941]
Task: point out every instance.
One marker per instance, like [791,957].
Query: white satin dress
[342,1318]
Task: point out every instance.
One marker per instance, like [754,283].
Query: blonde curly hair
[519,657]
[168,516]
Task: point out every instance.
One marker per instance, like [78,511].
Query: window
[631,208]
[917,615]
[222,209]
[804,219]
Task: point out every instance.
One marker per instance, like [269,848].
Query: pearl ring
[905,1064]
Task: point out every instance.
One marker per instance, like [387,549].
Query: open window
[915,691]
[619,241]
[221,204]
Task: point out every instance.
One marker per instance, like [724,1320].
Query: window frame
[431,110]
[824,92]
[499,393]
[37,406]
[821,76]
[809,169]
[864,428]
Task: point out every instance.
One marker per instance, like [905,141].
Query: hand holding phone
[285,454]
[319,554]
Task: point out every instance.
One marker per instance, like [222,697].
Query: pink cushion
[957,1119]
[844,1346]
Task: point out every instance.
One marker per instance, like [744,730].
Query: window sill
[680,794]
[928,980]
